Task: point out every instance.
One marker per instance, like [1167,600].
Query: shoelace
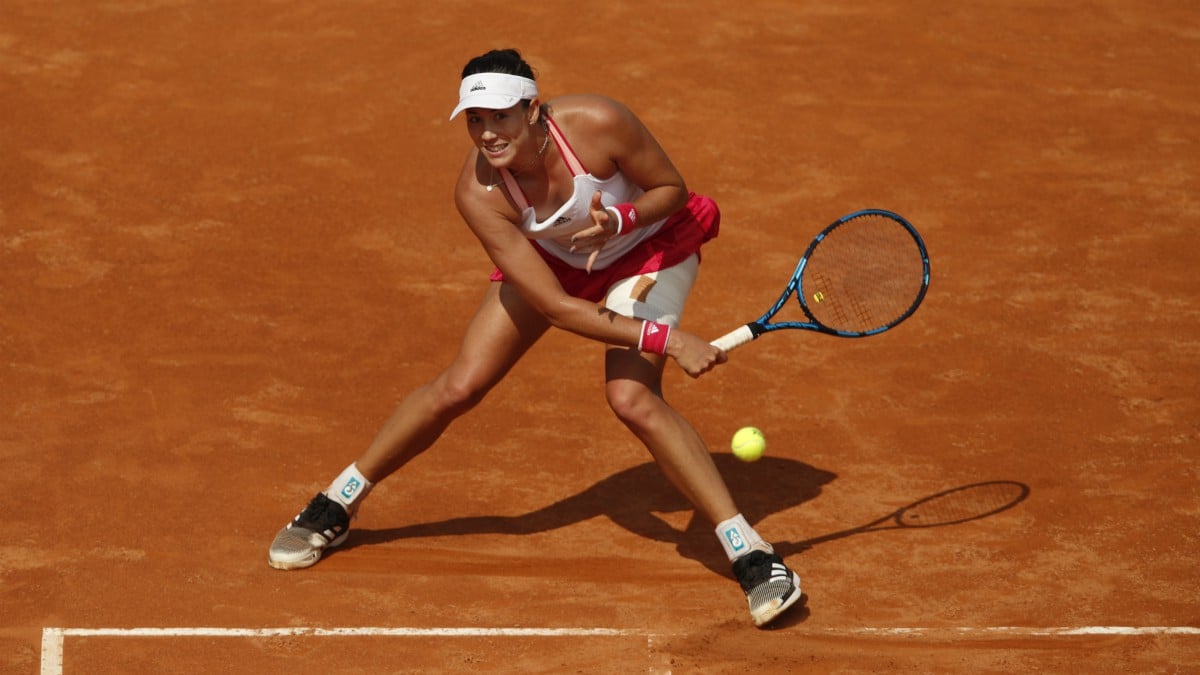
[319,514]
[758,568]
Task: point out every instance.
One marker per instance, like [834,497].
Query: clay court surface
[228,246]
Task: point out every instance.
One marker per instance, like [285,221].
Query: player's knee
[456,395]
[631,401]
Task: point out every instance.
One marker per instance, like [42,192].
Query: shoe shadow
[632,499]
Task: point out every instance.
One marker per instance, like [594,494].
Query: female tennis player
[592,230]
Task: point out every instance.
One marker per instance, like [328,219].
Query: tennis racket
[860,276]
[949,507]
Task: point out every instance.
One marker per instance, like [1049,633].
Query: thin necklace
[541,151]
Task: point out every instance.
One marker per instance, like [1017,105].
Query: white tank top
[554,233]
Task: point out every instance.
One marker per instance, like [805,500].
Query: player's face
[499,134]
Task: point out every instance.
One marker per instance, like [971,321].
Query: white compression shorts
[656,296]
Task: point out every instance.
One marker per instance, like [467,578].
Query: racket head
[962,504]
[863,274]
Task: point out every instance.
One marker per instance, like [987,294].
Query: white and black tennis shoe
[322,524]
[769,585]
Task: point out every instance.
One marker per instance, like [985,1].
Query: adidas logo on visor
[479,86]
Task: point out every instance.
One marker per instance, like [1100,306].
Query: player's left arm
[634,151]
[619,141]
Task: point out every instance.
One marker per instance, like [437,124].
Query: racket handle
[735,338]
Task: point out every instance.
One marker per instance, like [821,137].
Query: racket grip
[734,339]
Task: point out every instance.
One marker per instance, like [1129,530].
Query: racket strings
[864,275]
[962,504]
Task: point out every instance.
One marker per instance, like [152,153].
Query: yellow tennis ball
[748,444]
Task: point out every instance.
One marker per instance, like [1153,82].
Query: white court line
[1019,631]
[53,638]
[326,632]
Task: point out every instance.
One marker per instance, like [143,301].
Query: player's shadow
[632,499]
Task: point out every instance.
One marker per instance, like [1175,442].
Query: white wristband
[616,214]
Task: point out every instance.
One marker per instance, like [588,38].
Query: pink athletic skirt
[682,235]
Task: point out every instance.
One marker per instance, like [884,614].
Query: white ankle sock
[349,488]
[739,538]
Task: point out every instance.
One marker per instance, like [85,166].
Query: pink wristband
[626,215]
[654,337]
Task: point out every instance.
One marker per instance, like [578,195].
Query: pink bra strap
[565,149]
[518,195]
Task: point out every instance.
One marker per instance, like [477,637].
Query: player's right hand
[693,353]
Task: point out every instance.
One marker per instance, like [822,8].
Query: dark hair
[506,61]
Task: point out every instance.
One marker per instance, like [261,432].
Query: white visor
[495,91]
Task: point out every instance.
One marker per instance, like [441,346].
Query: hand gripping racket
[860,276]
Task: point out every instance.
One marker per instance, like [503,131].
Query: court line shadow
[632,499]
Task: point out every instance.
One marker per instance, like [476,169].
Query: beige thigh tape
[658,296]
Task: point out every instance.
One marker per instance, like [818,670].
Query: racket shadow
[954,506]
[633,499]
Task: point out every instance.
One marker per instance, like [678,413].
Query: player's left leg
[634,392]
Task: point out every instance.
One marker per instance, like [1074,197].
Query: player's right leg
[502,330]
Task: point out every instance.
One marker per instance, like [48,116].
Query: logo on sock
[350,488]
[734,536]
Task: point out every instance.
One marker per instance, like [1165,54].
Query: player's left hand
[592,239]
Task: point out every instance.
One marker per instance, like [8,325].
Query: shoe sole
[769,613]
[308,560]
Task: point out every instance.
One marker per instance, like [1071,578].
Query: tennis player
[592,230]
